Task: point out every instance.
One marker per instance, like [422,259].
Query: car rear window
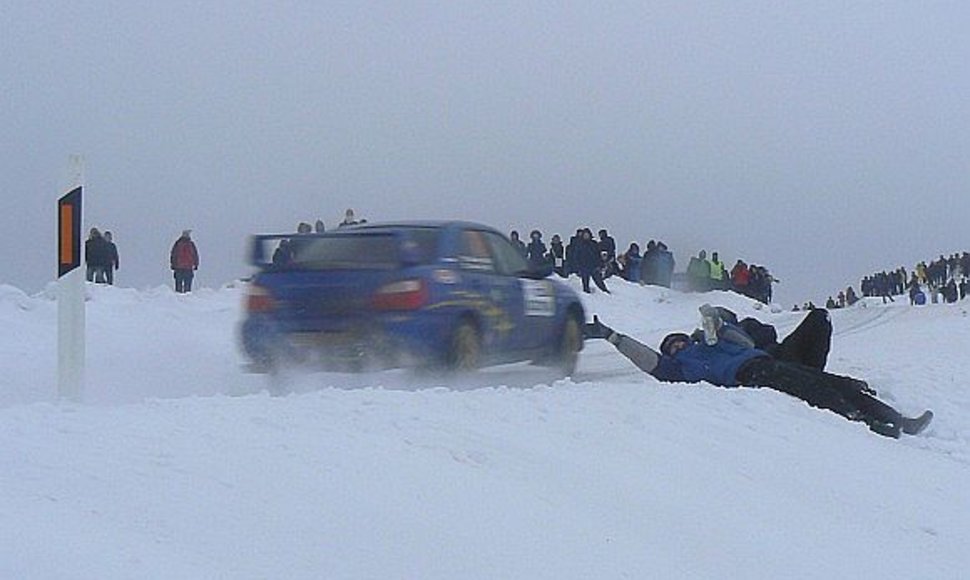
[384,250]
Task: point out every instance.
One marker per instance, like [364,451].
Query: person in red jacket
[184,261]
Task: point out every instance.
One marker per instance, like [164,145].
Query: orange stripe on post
[67,234]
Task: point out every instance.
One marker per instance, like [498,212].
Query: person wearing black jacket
[96,257]
[607,252]
[536,250]
[588,262]
[112,263]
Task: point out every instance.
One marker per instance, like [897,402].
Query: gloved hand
[596,329]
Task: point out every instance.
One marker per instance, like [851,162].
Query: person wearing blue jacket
[728,355]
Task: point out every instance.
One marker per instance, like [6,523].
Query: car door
[496,296]
[534,306]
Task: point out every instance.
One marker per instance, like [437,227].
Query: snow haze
[827,140]
[179,465]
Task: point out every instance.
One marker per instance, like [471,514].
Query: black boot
[913,426]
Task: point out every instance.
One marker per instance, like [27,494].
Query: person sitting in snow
[728,354]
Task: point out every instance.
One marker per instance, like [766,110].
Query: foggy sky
[826,140]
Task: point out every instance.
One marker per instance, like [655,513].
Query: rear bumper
[368,343]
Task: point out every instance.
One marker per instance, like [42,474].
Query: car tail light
[403,295]
[259,299]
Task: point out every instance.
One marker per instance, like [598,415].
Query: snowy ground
[178,465]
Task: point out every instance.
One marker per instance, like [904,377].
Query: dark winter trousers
[809,343]
[585,275]
[183,280]
[97,274]
[846,396]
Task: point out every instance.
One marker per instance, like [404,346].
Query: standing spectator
[112,263]
[649,264]
[557,255]
[741,277]
[631,263]
[536,250]
[914,289]
[318,227]
[184,260]
[607,252]
[349,219]
[572,251]
[665,265]
[519,244]
[298,242]
[718,273]
[96,257]
[699,272]
[950,293]
[283,254]
[850,296]
[588,261]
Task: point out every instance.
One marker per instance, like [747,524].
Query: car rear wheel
[466,348]
[569,346]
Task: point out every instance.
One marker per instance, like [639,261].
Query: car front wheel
[569,346]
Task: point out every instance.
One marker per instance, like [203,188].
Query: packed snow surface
[178,464]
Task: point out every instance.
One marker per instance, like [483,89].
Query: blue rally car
[449,295]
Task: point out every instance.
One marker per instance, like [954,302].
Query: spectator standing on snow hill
[630,263]
[349,219]
[747,354]
[665,265]
[607,249]
[649,264]
[699,272]
[184,261]
[557,255]
[113,263]
[519,244]
[850,296]
[740,277]
[588,261]
[536,250]
[96,256]
[718,273]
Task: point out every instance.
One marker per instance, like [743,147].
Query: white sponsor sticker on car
[540,298]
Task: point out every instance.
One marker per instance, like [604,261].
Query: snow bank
[179,465]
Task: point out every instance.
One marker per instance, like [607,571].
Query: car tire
[465,351]
[570,343]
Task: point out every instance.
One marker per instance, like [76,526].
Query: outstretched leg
[842,395]
[810,342]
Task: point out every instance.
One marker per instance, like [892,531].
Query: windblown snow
[179,465]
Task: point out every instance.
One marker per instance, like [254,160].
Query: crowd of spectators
[945,279]
[596,259]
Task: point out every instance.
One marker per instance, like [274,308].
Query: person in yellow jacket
[921,272]
[718,273]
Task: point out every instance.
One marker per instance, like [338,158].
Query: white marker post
[70,291]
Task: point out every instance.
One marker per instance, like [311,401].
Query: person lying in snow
[729,353]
